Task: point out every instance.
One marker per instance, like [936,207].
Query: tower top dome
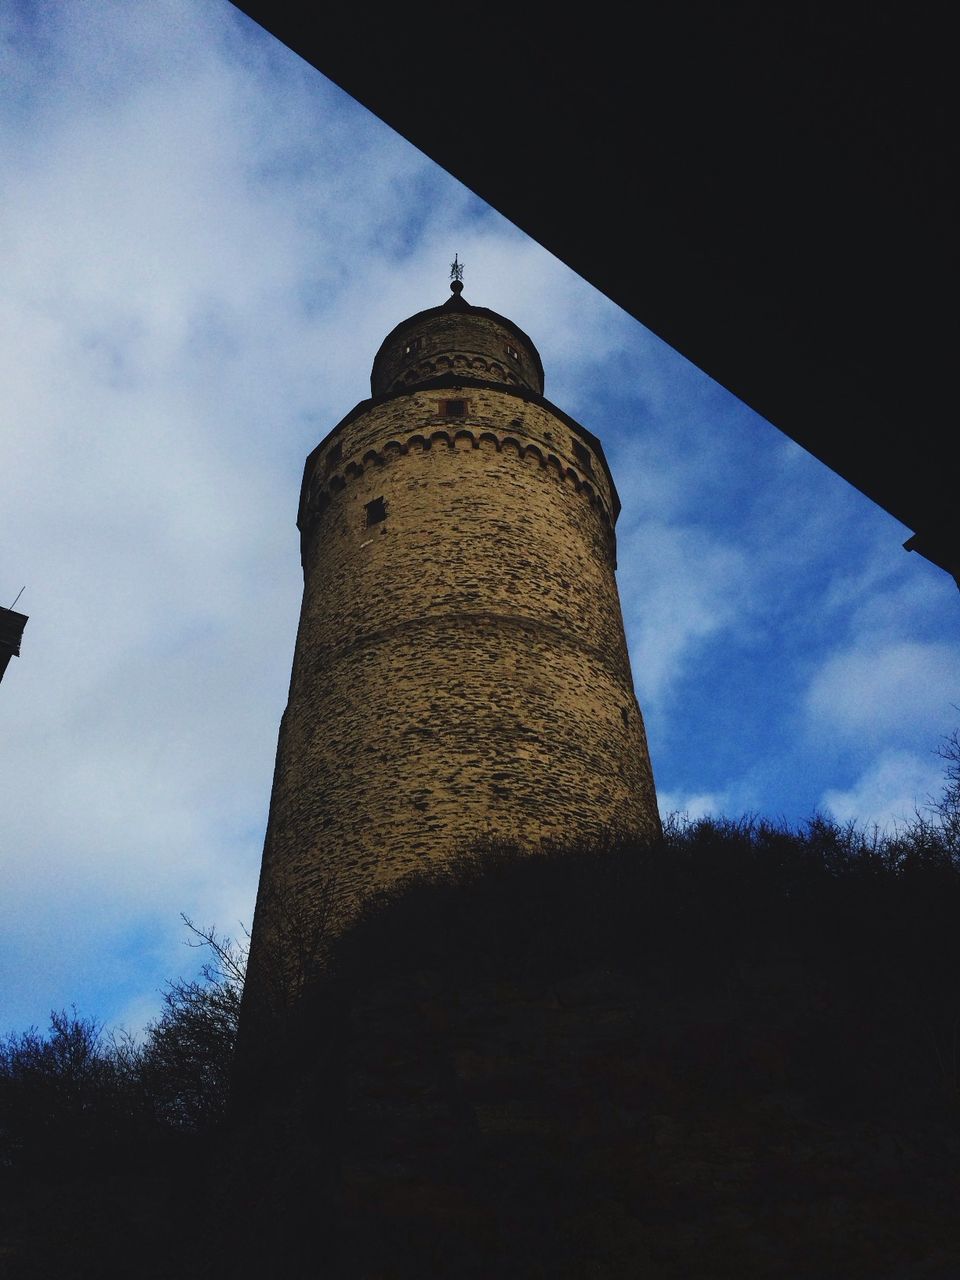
[456,338]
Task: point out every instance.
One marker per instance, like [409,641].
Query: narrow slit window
[376,511]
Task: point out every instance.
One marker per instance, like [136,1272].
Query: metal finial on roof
[456,274]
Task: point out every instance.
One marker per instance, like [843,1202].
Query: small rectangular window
[376,511]
[413,346]
[513,353]
[582,455]
[453,408]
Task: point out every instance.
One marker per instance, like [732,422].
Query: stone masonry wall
[461,668]
[466,341]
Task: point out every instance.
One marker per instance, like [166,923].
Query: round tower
[461,669]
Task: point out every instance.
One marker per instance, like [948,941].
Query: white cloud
[876,691]
[679,586]
[707,804]
[889,793]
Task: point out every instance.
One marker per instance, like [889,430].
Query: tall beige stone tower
[460,668]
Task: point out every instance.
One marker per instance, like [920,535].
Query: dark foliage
[185,1066]
[64,1097]
[590,1061]
[105,1143]
[711,897]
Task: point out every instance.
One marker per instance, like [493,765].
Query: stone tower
[461,668]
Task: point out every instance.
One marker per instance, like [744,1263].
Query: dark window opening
[453,408]
[413,346]
[334,454]
[376,511]
[513,353]
[582,455]
[625,712]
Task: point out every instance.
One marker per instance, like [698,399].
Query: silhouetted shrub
[711,895]
[184,1068]
[758,990]
[67,1098]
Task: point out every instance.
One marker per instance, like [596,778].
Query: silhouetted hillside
[735,1053]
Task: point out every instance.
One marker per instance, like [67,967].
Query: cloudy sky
[202,244]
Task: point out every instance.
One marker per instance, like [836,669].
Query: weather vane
[456,268]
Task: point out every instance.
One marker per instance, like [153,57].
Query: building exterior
[461,669]
[11,631]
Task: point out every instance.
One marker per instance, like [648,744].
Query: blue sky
[202,244]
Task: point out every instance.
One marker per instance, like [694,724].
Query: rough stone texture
[461,668]
[456,338]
